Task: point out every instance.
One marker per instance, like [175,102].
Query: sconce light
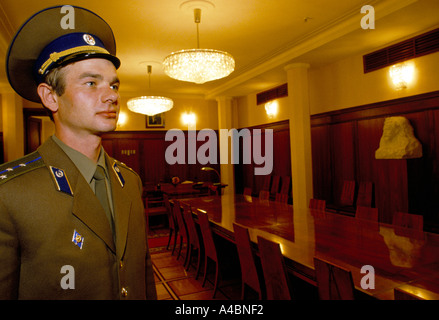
[401,74]
[271,108]
[121,121]
[189,118]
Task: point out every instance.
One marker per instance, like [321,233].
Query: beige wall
[344,85]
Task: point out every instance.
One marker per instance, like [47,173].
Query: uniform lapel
[86,207]
[121,205]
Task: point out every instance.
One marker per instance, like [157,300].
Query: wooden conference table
[400,257]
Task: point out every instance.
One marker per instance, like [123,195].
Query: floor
[173,282]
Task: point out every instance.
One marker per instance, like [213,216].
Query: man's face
[90,103]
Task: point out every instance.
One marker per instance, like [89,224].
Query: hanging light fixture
[150,105]
[198,65]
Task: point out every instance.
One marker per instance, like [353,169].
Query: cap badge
[89,39]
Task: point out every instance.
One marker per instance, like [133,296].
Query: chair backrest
[281,197]
[367,213]
[285,187]
[206,232]
[275,185]
[267,182]
[317,204]
[191,228]
[401,294]
[171,218]
[333,282]
[264,195]
[179,219]
[365,193]
[347,193]
[247,191]
[246,258]
[273,267]
[408,220]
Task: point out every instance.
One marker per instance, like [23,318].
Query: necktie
[101,193]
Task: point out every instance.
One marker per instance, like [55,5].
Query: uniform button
[121,264]
[124,292]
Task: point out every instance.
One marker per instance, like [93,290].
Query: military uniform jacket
[55,239]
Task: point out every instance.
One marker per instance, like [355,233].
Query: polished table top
[400,257]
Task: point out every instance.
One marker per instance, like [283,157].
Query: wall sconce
[189,118]
[271,108]
[122,120]
[401,74]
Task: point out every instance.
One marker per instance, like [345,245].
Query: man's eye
[115,87]
[90,83]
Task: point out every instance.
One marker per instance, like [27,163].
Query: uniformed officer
[71,217]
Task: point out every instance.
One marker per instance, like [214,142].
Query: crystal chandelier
[198,65]
[150,105]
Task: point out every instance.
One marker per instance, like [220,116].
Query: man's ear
[48,96]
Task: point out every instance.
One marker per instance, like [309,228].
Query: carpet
[157,241]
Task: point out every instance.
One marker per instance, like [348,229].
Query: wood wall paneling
[405,185]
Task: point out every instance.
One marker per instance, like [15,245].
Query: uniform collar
[85,165]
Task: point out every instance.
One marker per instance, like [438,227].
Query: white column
[300,134]
[225,121]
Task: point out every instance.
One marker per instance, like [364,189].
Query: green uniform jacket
[55,239]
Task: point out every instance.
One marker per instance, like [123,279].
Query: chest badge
[78,239]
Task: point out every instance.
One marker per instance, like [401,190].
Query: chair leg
[242,290]
[169,239]
[187,263]
[179,249]
[198,264]
[175,241]
[205,271]
[216,279]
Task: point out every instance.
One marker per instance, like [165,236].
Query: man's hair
[55,78]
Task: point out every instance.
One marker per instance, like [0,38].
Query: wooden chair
[182,230]
[267,182]
[247,191]
[401,294]
[281,197]
[274,270]
[367,213]
[317,204]
[285,187]
[210,252]
[172,223]
[333,282]
[365,194]
[347,194]
[408,220]
[194,241]
[264,195]
[249,272]
[275,185]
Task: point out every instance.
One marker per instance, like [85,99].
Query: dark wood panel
[321,163]
[343,157]
[281,158]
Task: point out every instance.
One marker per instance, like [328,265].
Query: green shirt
[87,167]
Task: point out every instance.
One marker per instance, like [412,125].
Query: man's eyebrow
[91,75]
[97,76]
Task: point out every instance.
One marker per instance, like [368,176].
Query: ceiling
[262,35]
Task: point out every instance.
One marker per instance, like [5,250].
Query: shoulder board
[20,166]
